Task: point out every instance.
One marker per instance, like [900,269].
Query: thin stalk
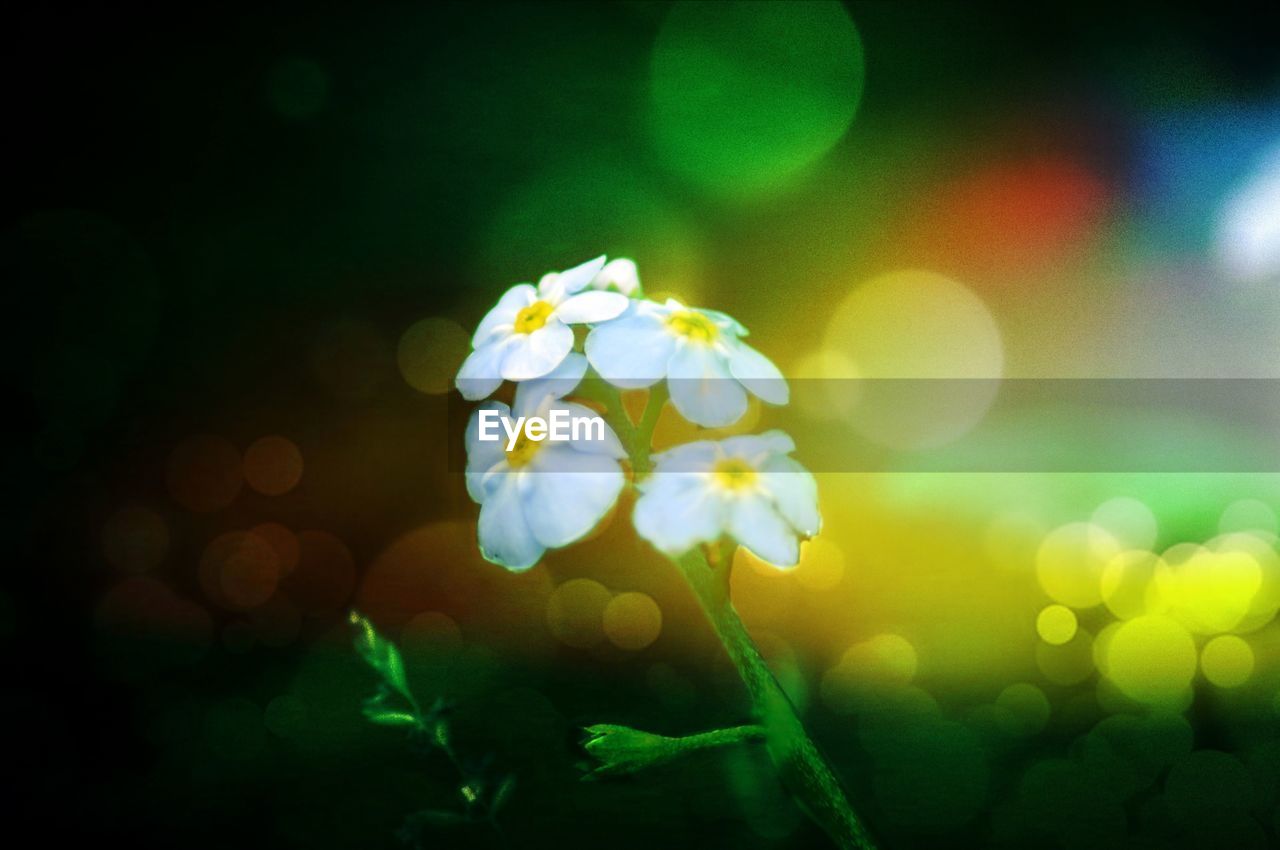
[801,767]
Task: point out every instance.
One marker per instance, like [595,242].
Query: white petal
[483,455]
[755,523]
[631,351]
[535,354]
[757,373]
[512,302]
[579,277]
[557,383]
[699,456]
[701,387]
[678,510]
[610,446]
[794,492]
[505,535]
[621,274]
[724,321]
[591,307]
[481,372]
[758,447]
[568,492]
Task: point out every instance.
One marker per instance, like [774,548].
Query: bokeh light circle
[632,620]
[204,473]
[1071,561]
[1227,661]
[575,612]
[430,352]
[882,664]
[1128,585]
[272,465]
[431,633]
[1128,520]
[910,334]
[743,96]
[1056,624]
[1027,706]
[1248,515]
[1151,659]
[239,570]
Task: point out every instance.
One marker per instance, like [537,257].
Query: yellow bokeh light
[915,324]
[1227,661]
[1266,599]
[885,658]
[632,621]
[1129,587]
[883,663]
[821,564]
[1151,659]
[1071,561]
[1056,624]
[575,612]
[1213,591]
[430,352]
[824,384]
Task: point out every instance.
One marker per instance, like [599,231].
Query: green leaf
[503,794]
[382,655]
[388,717]
[440,734]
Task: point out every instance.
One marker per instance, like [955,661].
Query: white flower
[708,367]
[620,275]
[541,494]
[746,487]
[527,334]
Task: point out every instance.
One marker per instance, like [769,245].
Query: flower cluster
[536,495]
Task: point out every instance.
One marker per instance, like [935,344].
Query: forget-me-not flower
[709,369]
[540,495]
[746,487]
[527,334]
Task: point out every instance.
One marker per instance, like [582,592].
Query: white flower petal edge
[747,487]
[699,352]
[620,275]
[529,326]
[632,351]
[541,495]
[481,372]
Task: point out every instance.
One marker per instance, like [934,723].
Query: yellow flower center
[523,451]
[530,318]
[693,326]
[734,474]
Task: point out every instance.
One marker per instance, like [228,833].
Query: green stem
[722,737]
[800,765]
